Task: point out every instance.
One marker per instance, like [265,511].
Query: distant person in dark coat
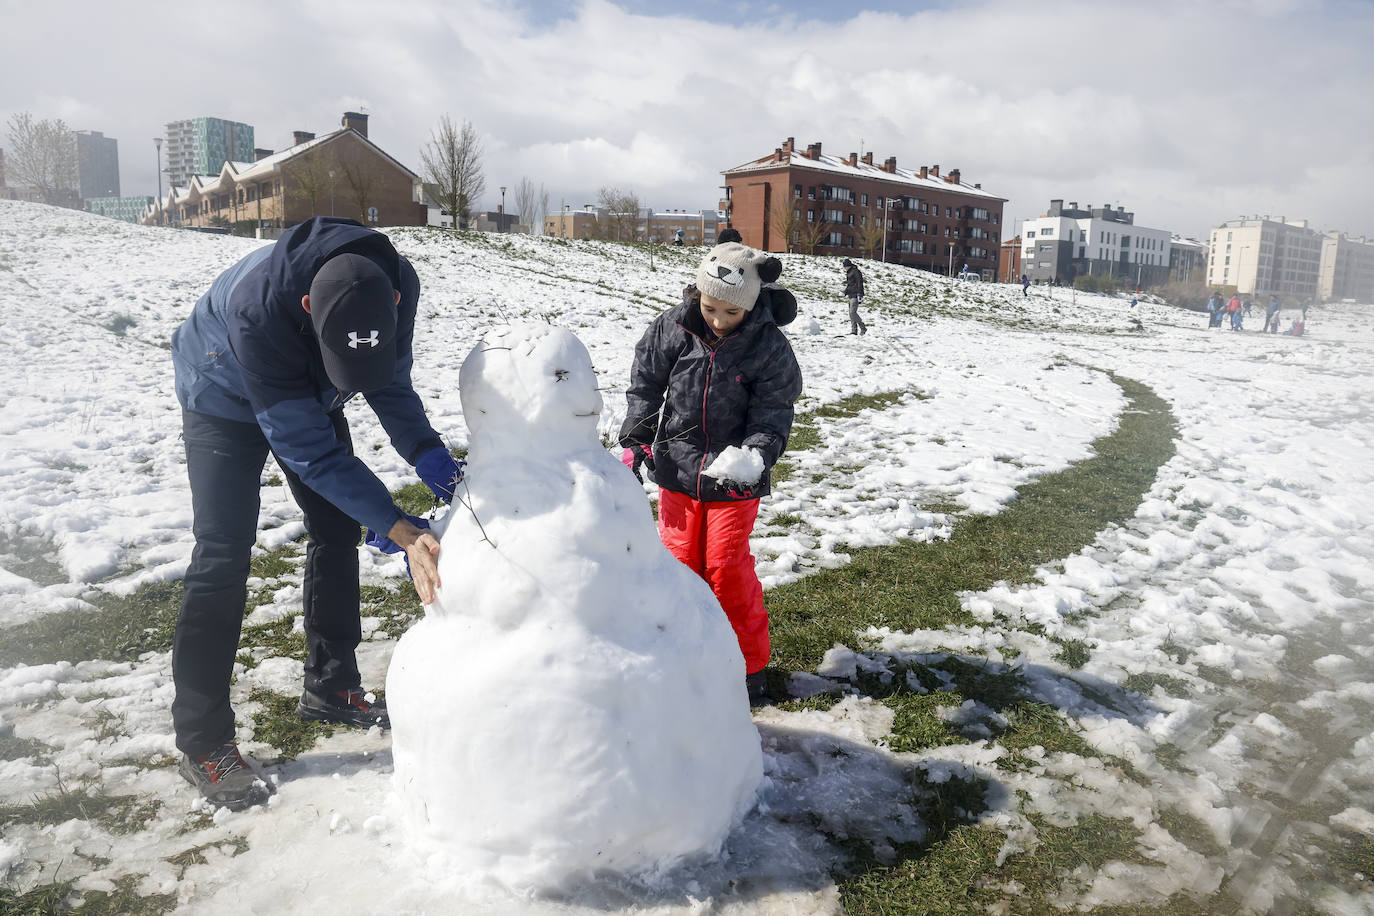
[1025,285]
[854,292]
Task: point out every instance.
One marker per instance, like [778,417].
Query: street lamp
[157,143]
[503,208]
[331,192]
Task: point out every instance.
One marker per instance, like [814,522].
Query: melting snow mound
[573,702]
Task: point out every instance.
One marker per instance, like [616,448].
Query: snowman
[573,701]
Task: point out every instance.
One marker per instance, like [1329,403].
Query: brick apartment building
[1009,264]
[342,173]
[850,207]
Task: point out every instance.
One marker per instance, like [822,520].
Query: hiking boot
[757,685]
[863,330]
[224,778]
[343,707]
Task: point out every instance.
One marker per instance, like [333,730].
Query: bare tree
[43,156]
[871,236]
[360,181]
[813,233]
[453,160]
[311,178]
[531,203]
[622,213]
[786,221]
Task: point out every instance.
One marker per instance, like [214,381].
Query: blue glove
[387,545]
[440,472]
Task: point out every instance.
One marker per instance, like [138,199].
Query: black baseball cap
[353,309]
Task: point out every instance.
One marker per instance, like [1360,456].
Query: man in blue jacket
[265,362]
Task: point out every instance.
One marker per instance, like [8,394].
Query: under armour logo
[354,340]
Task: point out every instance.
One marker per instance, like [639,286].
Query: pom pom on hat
[735,273]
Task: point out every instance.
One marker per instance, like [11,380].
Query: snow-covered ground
[1249,555]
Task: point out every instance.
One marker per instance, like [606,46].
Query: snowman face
[532,381]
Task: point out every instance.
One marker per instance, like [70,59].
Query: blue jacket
[248,352]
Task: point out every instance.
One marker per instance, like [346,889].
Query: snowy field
[1249,556]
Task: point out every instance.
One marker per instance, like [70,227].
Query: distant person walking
[1215,310]
[1234,310]
[1271,314]
[854,292]
[1025,285]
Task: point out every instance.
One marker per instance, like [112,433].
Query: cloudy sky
[1187,113]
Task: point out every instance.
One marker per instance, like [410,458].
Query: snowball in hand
[742,465]
[574,699]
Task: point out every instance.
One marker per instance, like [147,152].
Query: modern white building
[1347,268]
[1259,256]
[1068,242]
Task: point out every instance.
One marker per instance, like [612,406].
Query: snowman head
[530,383]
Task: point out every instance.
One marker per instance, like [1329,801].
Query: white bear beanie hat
[735,273]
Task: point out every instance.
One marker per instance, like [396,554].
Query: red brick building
[792,200]
[1009,267]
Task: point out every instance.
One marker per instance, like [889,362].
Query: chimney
[301,136]
[353,120]
[977,186]
[935,170]
[853,160]
[261,154]
[789,145]
[813,151]
[1056,207]
[925,172]
[1073,204]
[868,158]
[953,177]
[890,164]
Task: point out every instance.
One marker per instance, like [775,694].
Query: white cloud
[1185,113]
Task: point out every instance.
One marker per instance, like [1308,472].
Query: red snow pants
[712,539]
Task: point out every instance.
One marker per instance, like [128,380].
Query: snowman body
[573,702]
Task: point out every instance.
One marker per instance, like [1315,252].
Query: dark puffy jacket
[853,282]
[692,401]
[248,352]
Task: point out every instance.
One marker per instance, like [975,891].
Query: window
[949,212]
[911,246]
[833,240]
[796,191]
[811,193]
[1082,235]
[1080,251]
[1030,233]
[979,212]
[864,199]
[810,216]
[832,216]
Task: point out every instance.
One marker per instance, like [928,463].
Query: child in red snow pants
[713,540]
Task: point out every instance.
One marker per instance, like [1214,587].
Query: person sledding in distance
[265,363]
[713,372]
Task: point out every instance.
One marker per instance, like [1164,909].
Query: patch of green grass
[122,630]
[276,723]
[915,585]
[957,872]
[196,854]
[399,609]
[1074,653]
[279,638]
[1146,681]
[12,747]
[123,900]
[119,814]
[1191,832]
[43,900]
[1355,856]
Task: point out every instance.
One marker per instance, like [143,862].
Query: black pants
[224,460]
